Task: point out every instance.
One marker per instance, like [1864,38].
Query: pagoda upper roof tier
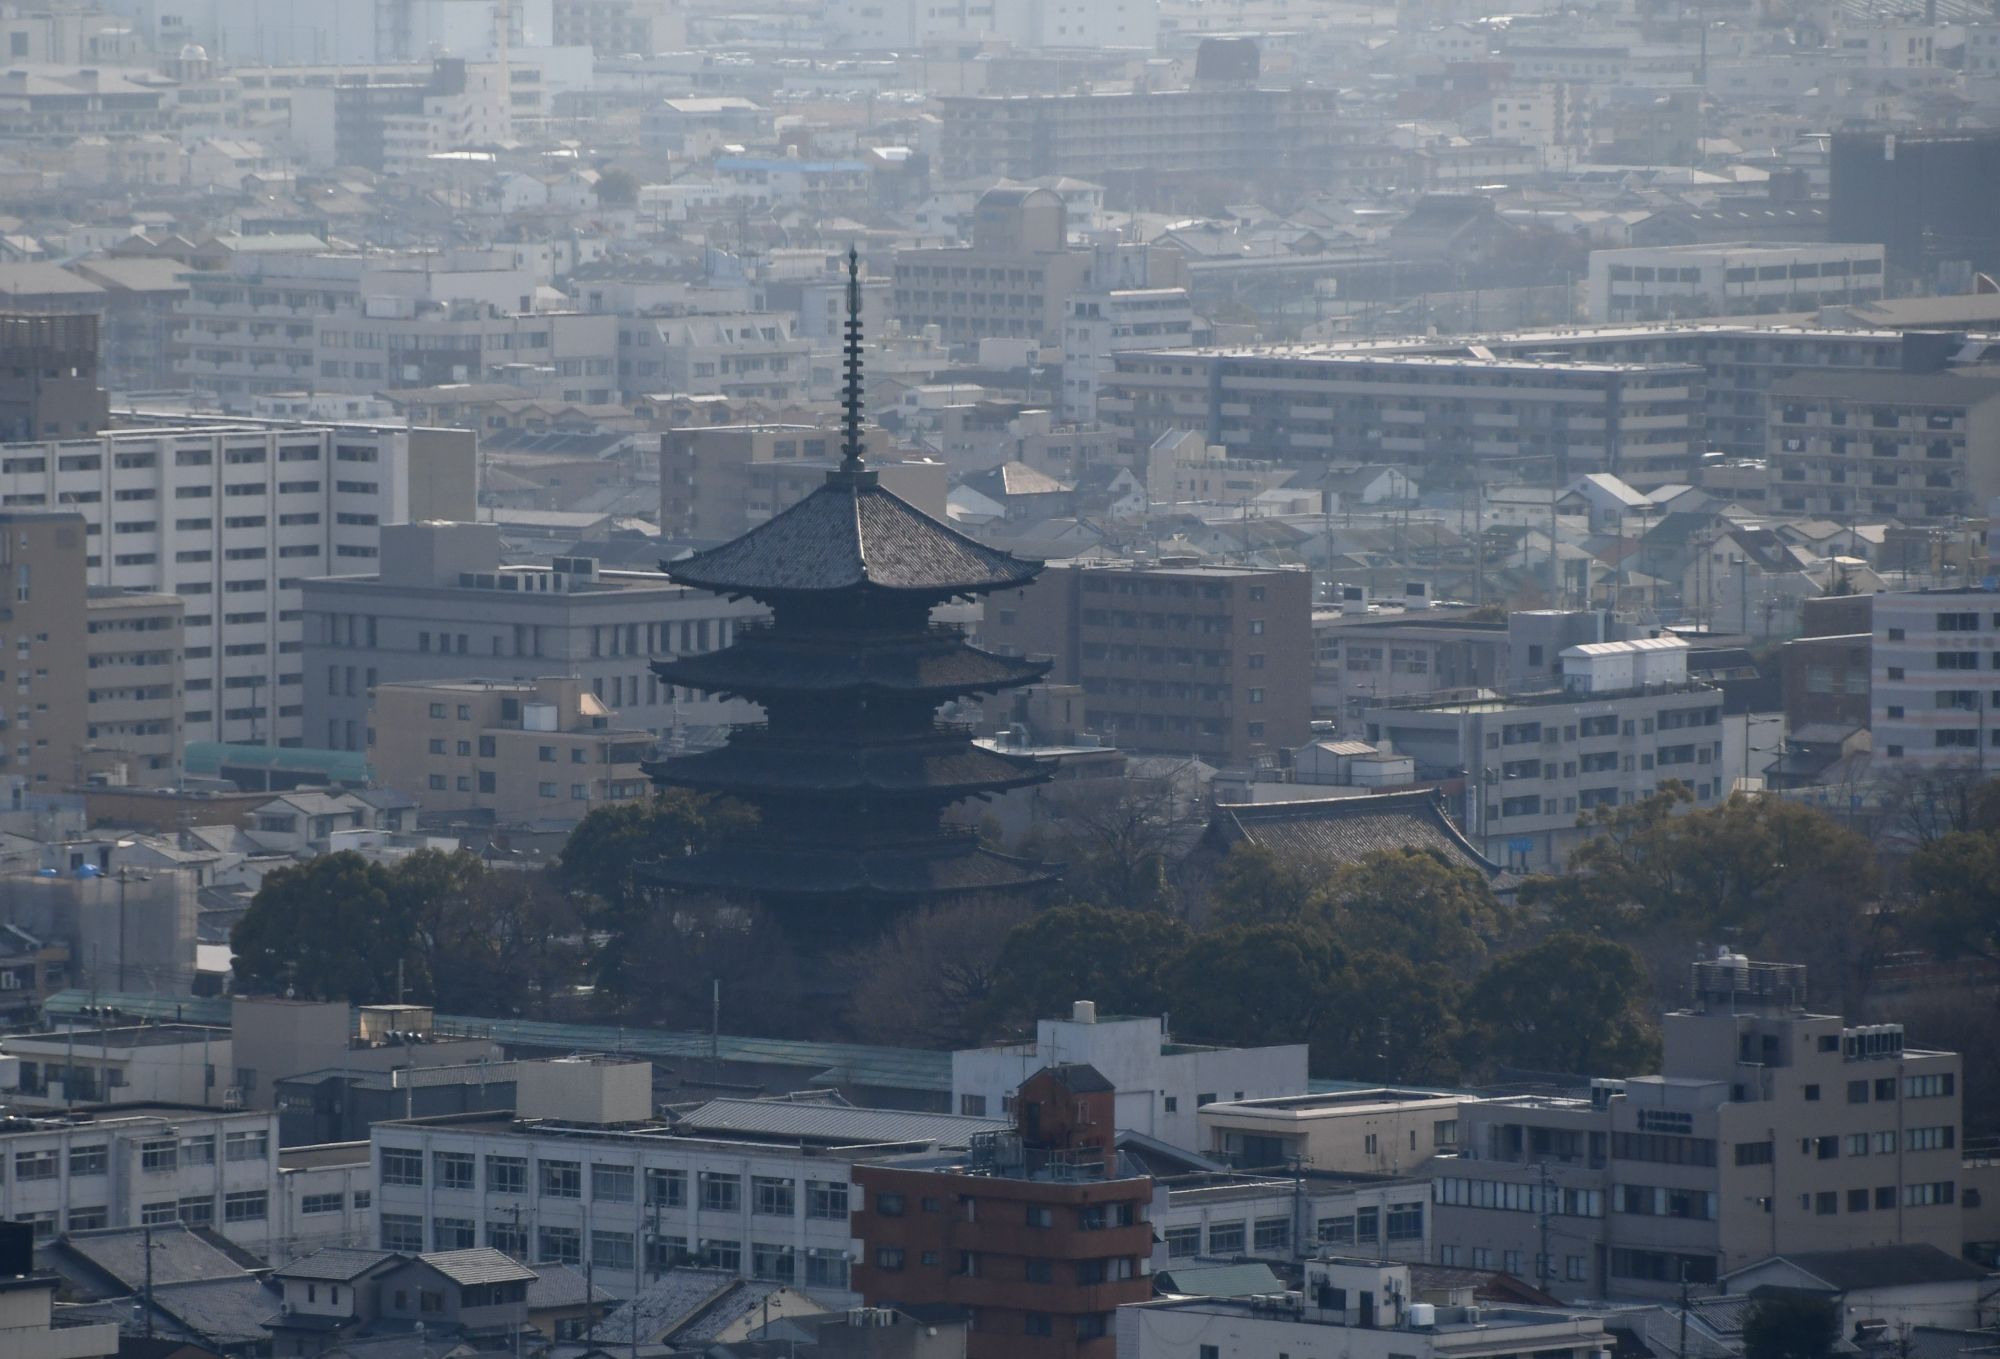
[765,660]
[949,865]
[850,533]
[757,762]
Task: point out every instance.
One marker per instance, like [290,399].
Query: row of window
[770,1196]
[1458,1192]
[619,1251]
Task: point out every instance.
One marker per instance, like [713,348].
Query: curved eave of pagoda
[778,598]
[744,676]
[905,872]
[699,774]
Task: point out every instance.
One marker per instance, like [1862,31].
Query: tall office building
[42,596]
[233,518]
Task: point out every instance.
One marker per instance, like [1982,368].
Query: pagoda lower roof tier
[949,865]
[935,663]
[755,762]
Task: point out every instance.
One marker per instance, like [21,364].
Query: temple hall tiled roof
[1331,832]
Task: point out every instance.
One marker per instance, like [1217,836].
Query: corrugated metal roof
[834,1123]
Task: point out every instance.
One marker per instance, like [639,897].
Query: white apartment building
[233,518]
[146,1165]
[584,1175]
[289,320]
[1101,324]
[748,355]
[1930,704]
[1161,1084]
[1627,720]
[476,115]
[146,1063]
[1653,283]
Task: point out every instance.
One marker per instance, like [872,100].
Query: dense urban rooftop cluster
[999,679]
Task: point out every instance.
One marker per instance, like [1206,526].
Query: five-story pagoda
[851,770]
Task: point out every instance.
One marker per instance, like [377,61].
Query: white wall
[1128,1053]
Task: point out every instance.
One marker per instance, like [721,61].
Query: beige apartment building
[507,751]
[1768,1129]
[1207,660]
[136,700]
[1911,446]
[1356,1132]
[1013,282]
[42,591]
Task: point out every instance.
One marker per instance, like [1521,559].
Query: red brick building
[1038,1232]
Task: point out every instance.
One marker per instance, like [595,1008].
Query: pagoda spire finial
[851,461]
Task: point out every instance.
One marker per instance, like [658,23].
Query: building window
[668,1188]
[559,1246]
[454,1169]
[1225,1238]
[401,1232]
[402,1165]
[506,1174]
[561,1179]
[611,1250]
[720,1193]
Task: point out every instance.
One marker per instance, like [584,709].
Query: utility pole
[149,1283]
[1681,1350]
[1542,1261]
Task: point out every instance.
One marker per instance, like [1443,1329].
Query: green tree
[1415,904]
[617,189]
[491,941]
[1790,1326]
[606,847]
[1956,884]
[1253,886]
[1708,869]
[333,928]
[1387,1019]
[1572,1004]
[1252,984]
[1071,953]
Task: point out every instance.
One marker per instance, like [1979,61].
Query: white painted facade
[231,519]
[1101,324]
[1929,704]
[1160,1083]
[1646,283]
[148,1166]
[641,1201]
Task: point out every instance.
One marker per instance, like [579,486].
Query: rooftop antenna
[850,400]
